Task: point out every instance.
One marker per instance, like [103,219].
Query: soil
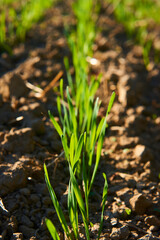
[131,151]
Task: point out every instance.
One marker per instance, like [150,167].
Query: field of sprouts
[79,120]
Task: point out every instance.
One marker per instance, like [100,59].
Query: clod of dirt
[139,203]
[143,153]
[27,231]
[12,178]
[128,87]
[38,127]
[152,220]
[120,233]
[11,84]
[19,141]
[36,109]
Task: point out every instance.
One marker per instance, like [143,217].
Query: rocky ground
[131,152]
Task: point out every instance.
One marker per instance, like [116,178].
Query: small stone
[34,198]
[27,231]
[19,141]
[36,109]
[12,84]
[56,146]
[38,204]
[131,183]
[26,221]
[47,201]
[25,191]
[13,178]
[120,233]
[139,203]
[11,204]
[152,220]
[114,221]
[144,153]
[37,126]
[41,188]
[50,212]
[154,228]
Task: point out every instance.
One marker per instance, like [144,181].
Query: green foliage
[81,135]
[138,17]
[17,17]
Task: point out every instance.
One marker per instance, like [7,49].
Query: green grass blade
[55,124]
[100,127]
[65,146]
[72,112]
[56,204]
[93,87]
[104,198]
[70,81]
[73,213]
[98,155]
[110,103]
[59,110]
[77,158]
[71,150]
[52,229]
[95,112]
[61,88]
[80,202]
[79,148]
[85,179]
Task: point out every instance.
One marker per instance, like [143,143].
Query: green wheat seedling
[17,17]
[81,135]
[81,41]
[75,201]
[138,17]
[79,148]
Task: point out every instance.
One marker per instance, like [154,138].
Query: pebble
[114,221]
[139,203]
[34,198]
[152,220]
[50,212]
[26,221]
[41,188]
[120,233]
[38,127]
[38,204]
[131,183]
[20,140]
[46,201]
[25,191]
[153,228]
[27,231]
[143,153]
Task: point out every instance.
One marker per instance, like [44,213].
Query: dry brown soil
[131,152]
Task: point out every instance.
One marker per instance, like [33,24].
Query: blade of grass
[80,202]
[55,124]
[110,103]
[98,155]
[104,198]
[52,229]
[56,204]
[73,213]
